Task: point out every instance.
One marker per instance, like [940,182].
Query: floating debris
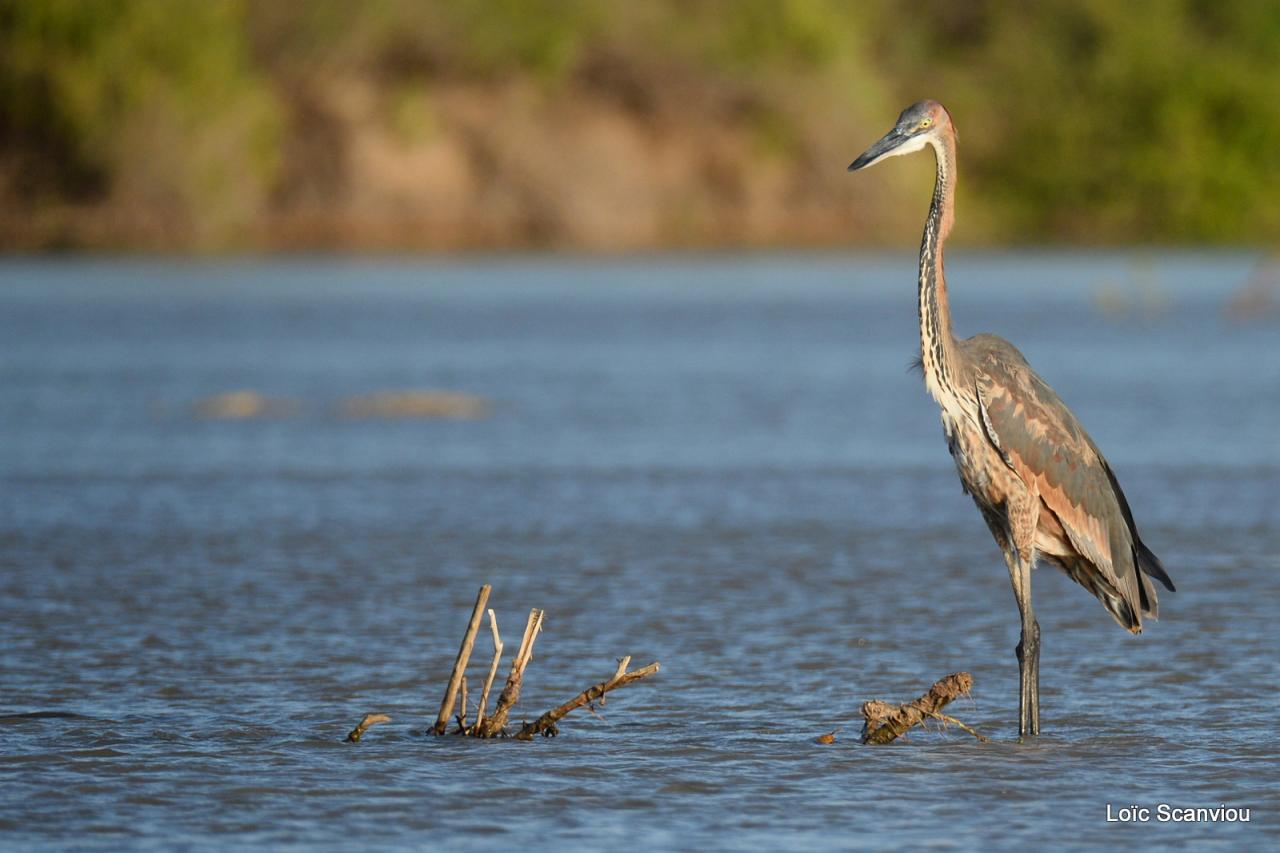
[242,405]
[416,404]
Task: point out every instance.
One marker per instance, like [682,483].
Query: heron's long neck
[937,344]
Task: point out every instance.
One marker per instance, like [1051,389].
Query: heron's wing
[1044,444]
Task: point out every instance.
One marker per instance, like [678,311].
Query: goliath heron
[1040,482]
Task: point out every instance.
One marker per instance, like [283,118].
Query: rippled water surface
[722,464]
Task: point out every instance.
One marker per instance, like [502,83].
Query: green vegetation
[161,111]
[235,124]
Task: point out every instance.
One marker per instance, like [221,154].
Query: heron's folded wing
[1044,444]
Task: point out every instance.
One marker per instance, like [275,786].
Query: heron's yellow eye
[925,122]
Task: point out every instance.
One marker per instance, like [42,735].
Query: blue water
[720,463]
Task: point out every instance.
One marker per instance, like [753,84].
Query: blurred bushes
[154,106]
[391,123]
[1143,120]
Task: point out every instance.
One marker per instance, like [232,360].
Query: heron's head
[919,124]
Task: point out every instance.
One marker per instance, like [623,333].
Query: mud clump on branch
[884,722]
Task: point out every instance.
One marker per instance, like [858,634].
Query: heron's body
[1039,481]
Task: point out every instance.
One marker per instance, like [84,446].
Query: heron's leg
[1028,648]
[1028,657]
[1023,511]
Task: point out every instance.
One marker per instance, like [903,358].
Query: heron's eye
[925,122]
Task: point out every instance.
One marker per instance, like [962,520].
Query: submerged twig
[365,722]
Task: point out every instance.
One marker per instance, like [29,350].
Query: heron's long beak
[883,148]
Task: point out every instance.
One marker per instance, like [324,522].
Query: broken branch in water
[885,722]
[546,724]
[365,722]
[460,664]
[490,726]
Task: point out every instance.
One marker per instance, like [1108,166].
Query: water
[719,463]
